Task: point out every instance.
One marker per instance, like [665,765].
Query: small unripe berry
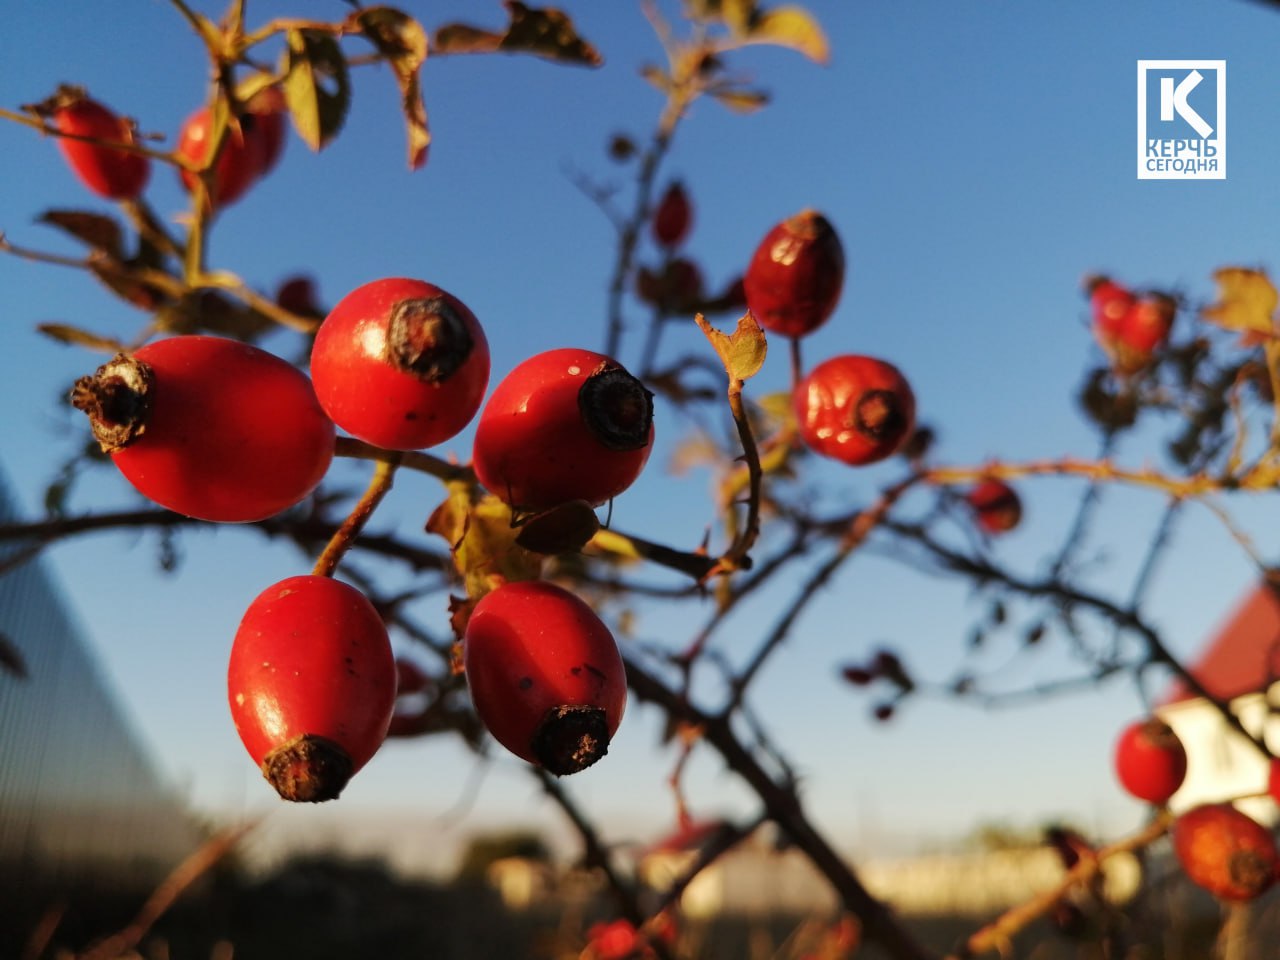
[794,279]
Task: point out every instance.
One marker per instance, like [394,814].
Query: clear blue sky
[977,159]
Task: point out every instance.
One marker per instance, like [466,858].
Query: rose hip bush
[529,576]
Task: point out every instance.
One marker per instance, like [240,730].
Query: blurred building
[82,808]
[1238,665]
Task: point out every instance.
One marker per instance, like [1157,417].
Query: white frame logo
[1179,143]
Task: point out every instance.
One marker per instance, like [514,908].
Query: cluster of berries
[225,431]
[251,150]
[1130,327]
[1220,848]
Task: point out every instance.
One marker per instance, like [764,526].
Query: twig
[346,534]
[784,808]
[196,865]
[999,932]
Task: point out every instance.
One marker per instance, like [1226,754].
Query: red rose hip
[210,428]
[112,173]
[673,217]
[854,409]
[237,165]
[996,506]
[312,685]
[400,364]
[794,279]
[1150,761]
[264,123]
[567,424]
[545,675]
[1225,852]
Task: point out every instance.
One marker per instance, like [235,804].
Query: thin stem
[1195,485]
[35,123]
[994,935]
[736,557]
[797,364]
[860,528]
[410,460]
[233,285]
[379,485]
[784,808]
[196,865]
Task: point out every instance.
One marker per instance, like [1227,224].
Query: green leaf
[547,33]
[1247,301]
[793,27]
[96,230]
[316,86]
[741,100]
[403,42]
[482,539]
[743,351]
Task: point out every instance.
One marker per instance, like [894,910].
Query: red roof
[1244,655]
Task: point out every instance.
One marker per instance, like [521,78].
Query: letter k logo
[1172,99]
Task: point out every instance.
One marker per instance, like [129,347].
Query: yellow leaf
[1246,300]
[482,540]
[741,100]
[794,27]
[743,351]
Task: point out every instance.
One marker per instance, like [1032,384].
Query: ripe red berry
[1225,852]
[1150,760]
[237,165]
[1273,780]
[312,685]
[400,364]
[996,506]
[110,173]
[854,409]
[614,940]
[1147,324]
[673,217]
[564,425]
[1109,302]
[210,428]
[264,123]
[1128,327]
[794,278]
[545,675]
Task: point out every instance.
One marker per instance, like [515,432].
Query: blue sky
[976,159]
